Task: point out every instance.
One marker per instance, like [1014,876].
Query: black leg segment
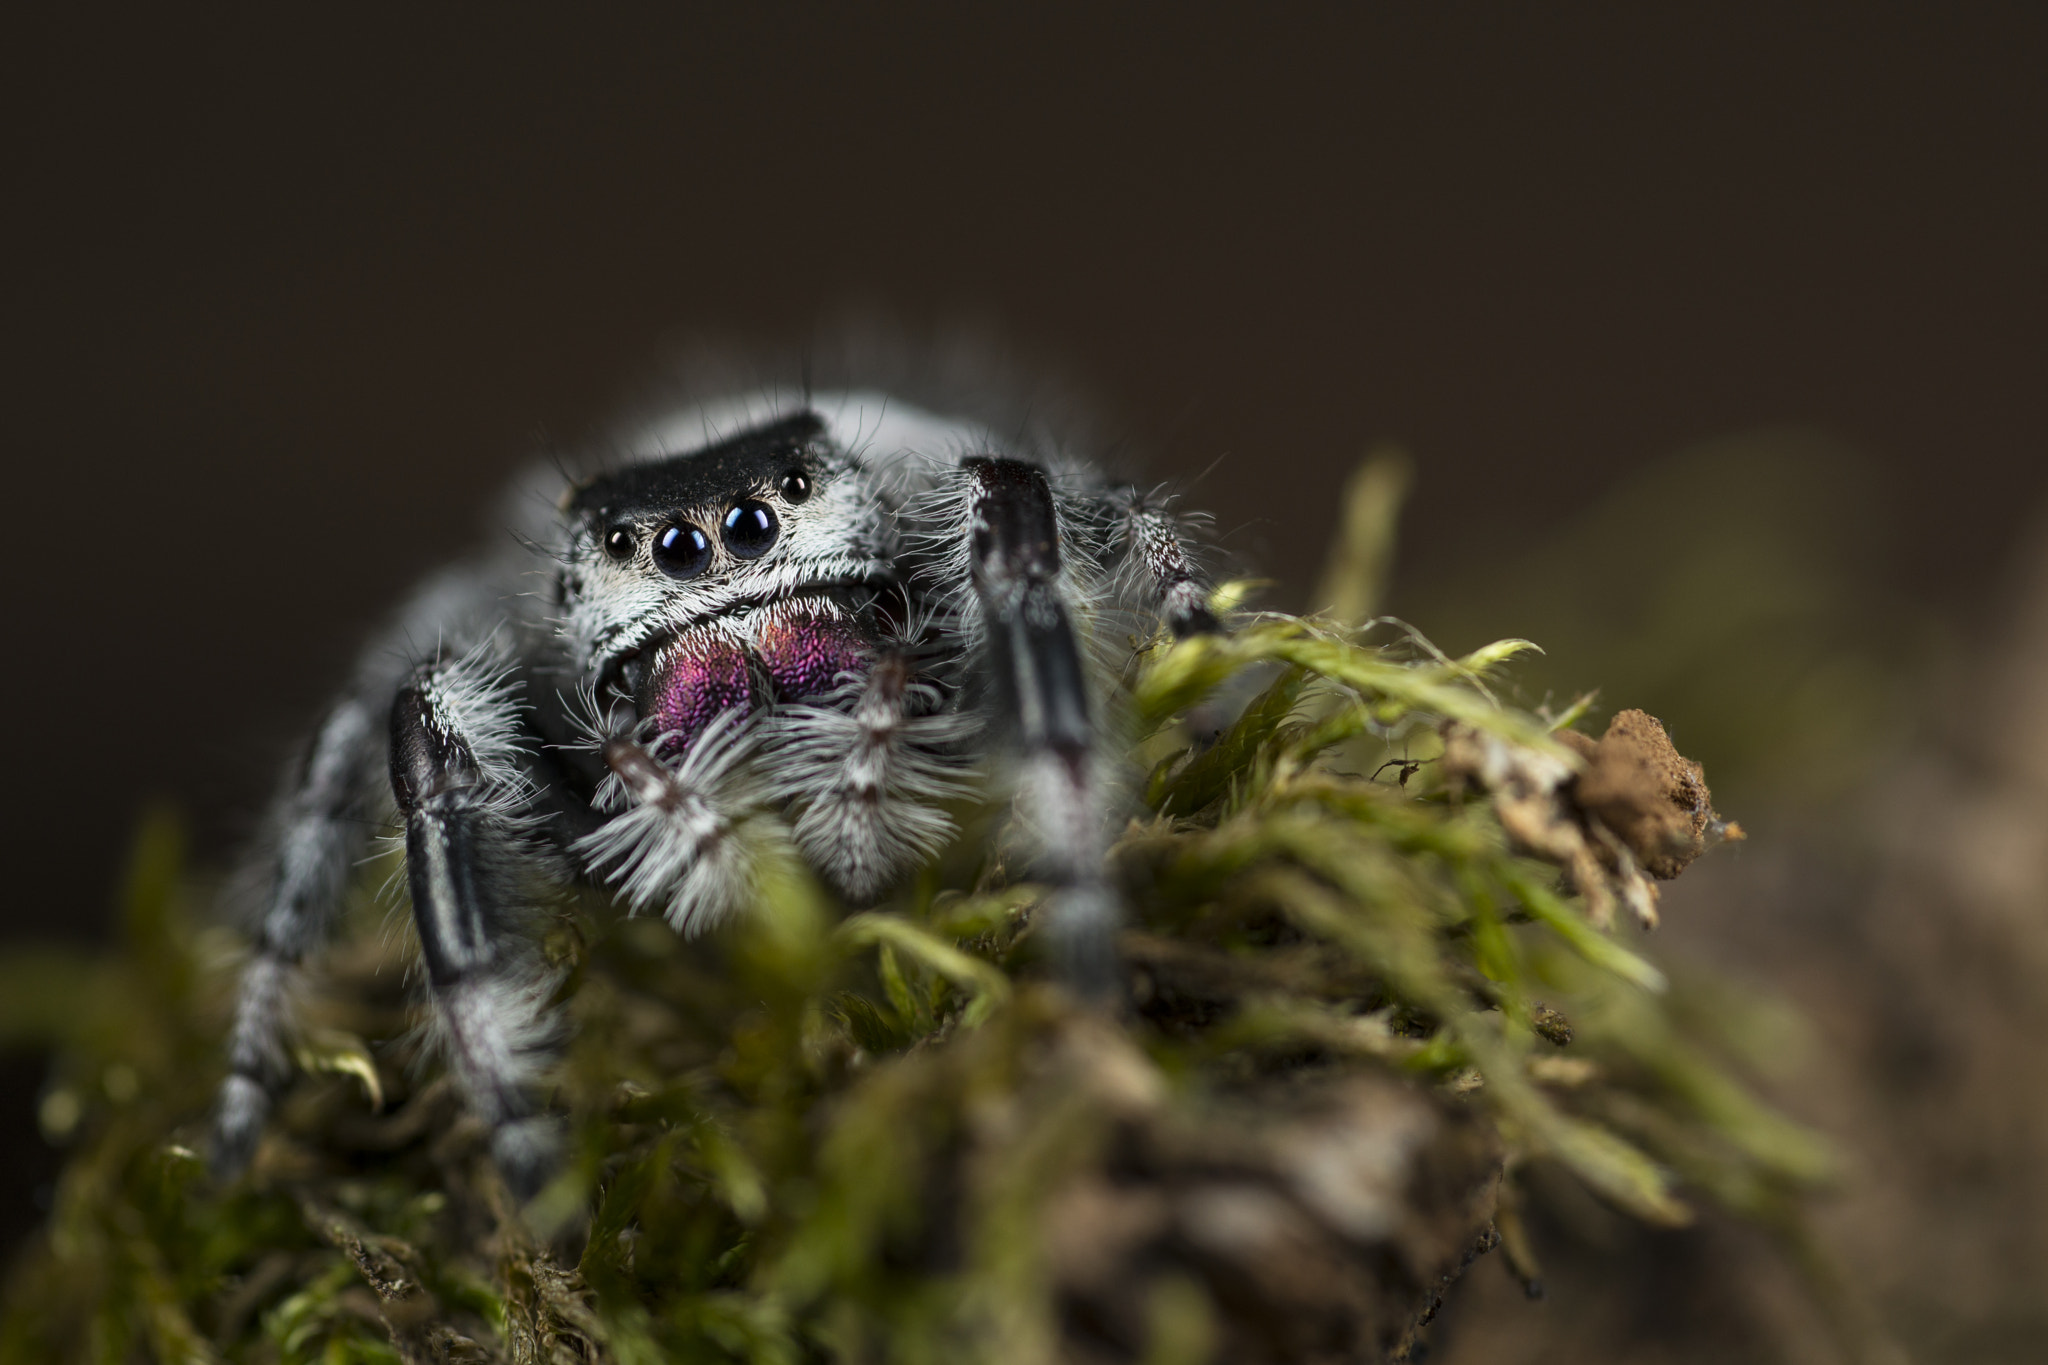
[1040,680]
[463,853]
[437,784]
[1016,567]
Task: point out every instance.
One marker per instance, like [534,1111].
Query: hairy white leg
[319,830]
[471,871]
[1159,568]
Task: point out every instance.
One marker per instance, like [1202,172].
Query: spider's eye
[750,529]
[620,543]
[681,551]
[795,487]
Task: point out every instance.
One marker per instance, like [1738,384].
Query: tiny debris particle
[1550,1024]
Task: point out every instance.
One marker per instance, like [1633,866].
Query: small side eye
[795,487]
[681,551]
[620,543]
[750,528]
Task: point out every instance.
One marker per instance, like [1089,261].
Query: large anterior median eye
[681,551]
[750,529]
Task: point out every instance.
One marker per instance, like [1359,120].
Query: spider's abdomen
[793,650]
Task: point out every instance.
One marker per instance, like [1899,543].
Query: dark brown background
[287,297]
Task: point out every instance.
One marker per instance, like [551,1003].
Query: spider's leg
[321,829]
[1040,678]
[466,865]
[1155,549]
[868,780]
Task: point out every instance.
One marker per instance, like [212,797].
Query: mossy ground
[1357,1010]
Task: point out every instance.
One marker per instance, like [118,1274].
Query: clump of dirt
[1647,794]
[1632,805]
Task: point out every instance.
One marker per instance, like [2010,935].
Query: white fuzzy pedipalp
[687,840]
[868,780]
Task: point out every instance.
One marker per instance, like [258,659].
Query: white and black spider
[825,612]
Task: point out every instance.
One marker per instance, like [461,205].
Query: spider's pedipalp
[683,841]
[867,781]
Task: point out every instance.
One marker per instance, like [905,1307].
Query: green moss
[830,1135]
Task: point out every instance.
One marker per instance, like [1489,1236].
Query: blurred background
[1716,337]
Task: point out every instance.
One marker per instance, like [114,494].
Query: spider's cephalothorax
[821,616]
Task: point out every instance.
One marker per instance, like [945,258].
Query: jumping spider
[831,611]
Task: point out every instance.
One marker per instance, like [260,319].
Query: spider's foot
[237,1125]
